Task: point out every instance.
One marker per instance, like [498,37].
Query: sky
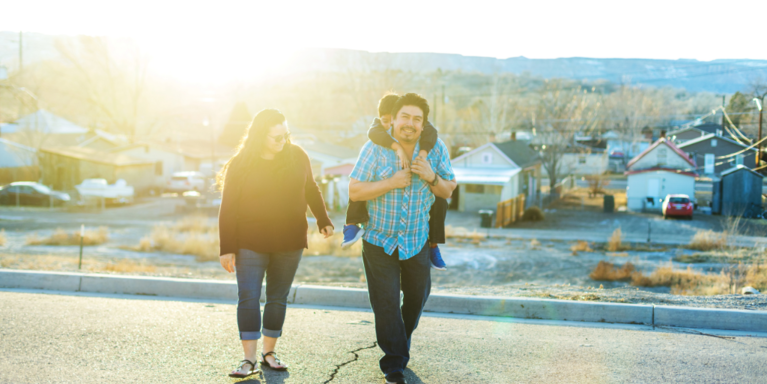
[192,37]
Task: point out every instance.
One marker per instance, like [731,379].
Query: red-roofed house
[660,170]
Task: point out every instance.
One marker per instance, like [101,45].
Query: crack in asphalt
[356,357]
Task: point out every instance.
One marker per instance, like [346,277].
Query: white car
[186,181]
[118,193]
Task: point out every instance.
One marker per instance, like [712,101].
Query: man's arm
[369,190]
[443,174]
[444,188]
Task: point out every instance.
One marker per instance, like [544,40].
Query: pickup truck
[95,189]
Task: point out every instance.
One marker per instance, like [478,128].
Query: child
[357,212]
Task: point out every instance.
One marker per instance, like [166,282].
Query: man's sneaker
[436,259]
[352,233]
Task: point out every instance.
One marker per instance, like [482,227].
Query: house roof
[45,122]
[668,143]
[13,154]
[661,169]
[328,149]
[740,167]
[96,156]
[491,176]
[705,128]
[519,152]
[712,136]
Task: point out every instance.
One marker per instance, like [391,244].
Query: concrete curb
[525,308]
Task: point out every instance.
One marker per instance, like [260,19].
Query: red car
[677,205]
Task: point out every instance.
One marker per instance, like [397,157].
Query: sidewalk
[123,339]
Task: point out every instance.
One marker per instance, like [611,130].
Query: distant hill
[717,76]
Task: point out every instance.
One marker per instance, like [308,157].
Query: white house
[495,172]
[166,161]
[662,169]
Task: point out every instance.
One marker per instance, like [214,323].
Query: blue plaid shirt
[399,219]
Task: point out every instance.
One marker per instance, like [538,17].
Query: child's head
[385,106]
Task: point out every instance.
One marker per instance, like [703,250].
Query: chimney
[662,133]
[513,136]
[492,137]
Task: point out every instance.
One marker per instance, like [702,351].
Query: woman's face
[276,139]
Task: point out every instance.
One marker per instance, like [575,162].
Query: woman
[266,186]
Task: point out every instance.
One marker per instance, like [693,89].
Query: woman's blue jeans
[280,269]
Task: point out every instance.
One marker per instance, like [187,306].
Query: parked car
[31,193]
[186,181]
[118,193]
[678,205]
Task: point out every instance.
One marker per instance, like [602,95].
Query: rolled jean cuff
[250,335]
[271,333]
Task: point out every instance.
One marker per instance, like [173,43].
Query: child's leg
[357,213]
[437,216]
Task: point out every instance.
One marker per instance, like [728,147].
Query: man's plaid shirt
[399,219]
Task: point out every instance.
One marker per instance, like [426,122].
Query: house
[331,165]
[739,191]
[45,129]
[582,159]
[166,161]
[719,153]
[627,146]
[17,162]
[495,172]
[64,167]
[662,169]
[691,132]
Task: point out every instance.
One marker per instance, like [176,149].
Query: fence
[510,211]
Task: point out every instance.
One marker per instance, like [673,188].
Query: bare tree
[112,80]
[562,110]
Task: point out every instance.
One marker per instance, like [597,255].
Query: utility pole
[759,145]
[723,96]
[21,51]
[434,114]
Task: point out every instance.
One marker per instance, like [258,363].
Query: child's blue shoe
[352,233]
[436,259]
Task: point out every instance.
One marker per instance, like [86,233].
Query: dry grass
[461,234]
[581,246]
[708,240]
[195,223]
[130,266]
[3,239]
[606,271]
[534,244]
[615,243]
[61,237]
[533,214]
[199,241]
[689,282]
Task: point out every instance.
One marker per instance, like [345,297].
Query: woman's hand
[327,231]
[227,261]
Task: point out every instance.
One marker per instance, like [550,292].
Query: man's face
[386,120]
[408,124]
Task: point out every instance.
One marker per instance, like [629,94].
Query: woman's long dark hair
[252,143]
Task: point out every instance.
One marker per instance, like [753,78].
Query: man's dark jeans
[386,275]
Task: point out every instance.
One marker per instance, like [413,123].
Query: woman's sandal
[253,370]
[284,367]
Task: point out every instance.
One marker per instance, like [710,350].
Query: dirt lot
[544,267]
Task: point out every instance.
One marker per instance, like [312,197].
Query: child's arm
[378,135]
[428,139]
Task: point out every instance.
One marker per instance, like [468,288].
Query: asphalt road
[55,338]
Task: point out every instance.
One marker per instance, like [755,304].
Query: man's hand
[422,168]
[227,261]
[401,179]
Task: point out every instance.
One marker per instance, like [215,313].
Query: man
[395,250]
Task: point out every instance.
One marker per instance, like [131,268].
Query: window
[487,158]
[158,168]
[581,159]
[475,188]
[739,160]
[713,142]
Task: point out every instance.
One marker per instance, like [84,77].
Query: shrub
[581,246]
[533,214]
[606,271]
[535,244]
[61,237]
[129,266]
[707,240]
[614,244]
[3,240]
